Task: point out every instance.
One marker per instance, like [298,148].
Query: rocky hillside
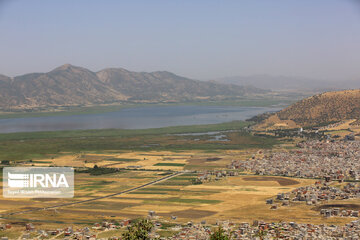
[317,110]
[69,86]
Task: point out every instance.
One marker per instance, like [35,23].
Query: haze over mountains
[69,85]
[290,83]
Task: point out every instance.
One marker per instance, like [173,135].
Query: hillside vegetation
[317,110]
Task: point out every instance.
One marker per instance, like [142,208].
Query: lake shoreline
[135,118]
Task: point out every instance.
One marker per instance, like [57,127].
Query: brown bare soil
[342,206]
[191,213]
[280,180]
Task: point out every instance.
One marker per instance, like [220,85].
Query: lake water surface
[135,118]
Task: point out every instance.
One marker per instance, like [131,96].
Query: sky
[200,39]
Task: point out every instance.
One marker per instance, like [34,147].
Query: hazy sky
[202,39]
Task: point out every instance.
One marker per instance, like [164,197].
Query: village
[30,231]
[318,194]
[333,160]
[202,231]
[279,230]
[291,230]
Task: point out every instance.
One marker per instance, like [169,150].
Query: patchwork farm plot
[205,188]
[238,198]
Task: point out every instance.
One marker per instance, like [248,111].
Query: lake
[135,118]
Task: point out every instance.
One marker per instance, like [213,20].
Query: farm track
[97,198]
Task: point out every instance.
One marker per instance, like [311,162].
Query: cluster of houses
[334,160]
[318,193]
[191,231]
[293,230]
[216,175]
[255,230]
[337,212]
[68,232]
[278,230]
[5,226]
[110,225]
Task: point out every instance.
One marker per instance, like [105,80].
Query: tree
[5,162]
[220,234]
[139,230]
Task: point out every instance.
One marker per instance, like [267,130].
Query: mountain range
[288,83]
[69,85]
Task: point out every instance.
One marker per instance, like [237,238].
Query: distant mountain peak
[112,69]
[70,85]
[67,67]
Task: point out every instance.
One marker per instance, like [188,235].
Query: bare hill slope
[317,110]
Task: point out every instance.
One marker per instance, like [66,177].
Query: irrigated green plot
[170,164]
